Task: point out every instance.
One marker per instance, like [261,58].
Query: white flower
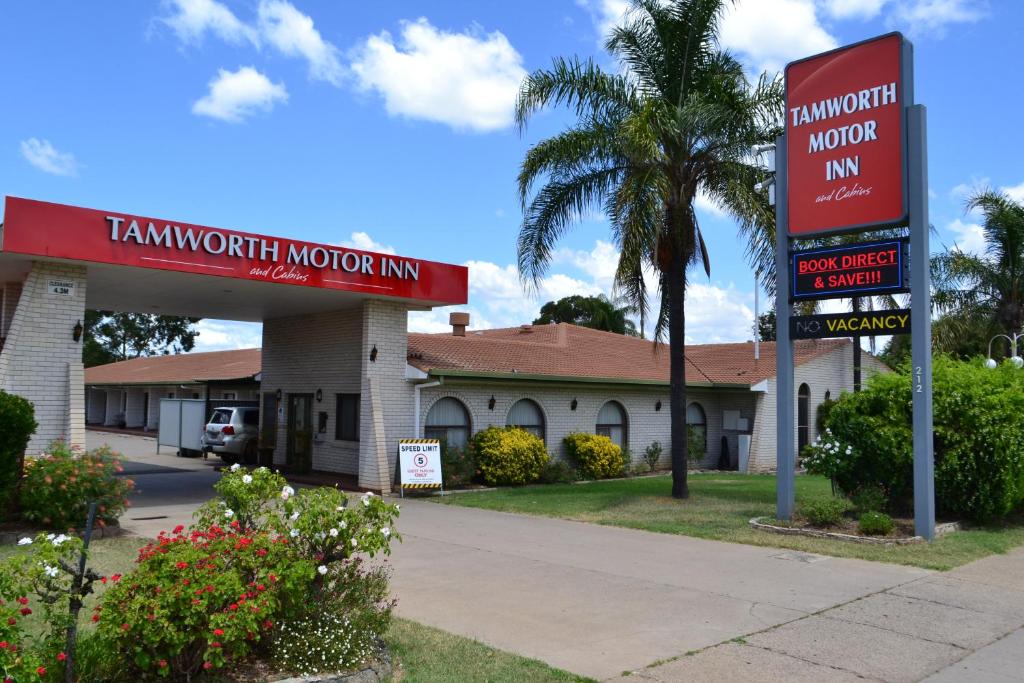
[322,569]
[247,479]
[51,571]
[57,540]
[262,469]
[354,543]
[386,531]
[229,513]
[287,492]
[333,533]
[294,516]
[343,524]
[294,533]
[397,507]
[25,541]
[849,450]
[236,467]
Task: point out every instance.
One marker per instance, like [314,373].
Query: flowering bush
[17,424]
[827,456]
[58,487]
[509,455]
[594,456]
[978,439]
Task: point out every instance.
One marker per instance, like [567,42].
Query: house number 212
[918,380]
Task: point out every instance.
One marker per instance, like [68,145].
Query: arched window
[448,420]
[803,417]
[697,430]
[611,422]
[526,414]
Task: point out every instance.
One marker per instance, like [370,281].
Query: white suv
[233,434]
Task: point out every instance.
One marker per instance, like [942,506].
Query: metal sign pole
[785,455]
[920,325]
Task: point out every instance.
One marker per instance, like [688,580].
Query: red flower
[214,644]
[41,671]
[218,631]
[207,665]
[11,621]
[25,611]
[8,680]
[126,626]
[95,617]
[3,644]
[115,577]
[23,601]
[61,656]
[177,530]
[162,663]
[261,587]
[233,606]
[262,552]
[182,565]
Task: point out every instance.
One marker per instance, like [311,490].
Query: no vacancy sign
[419,463]
[846,138]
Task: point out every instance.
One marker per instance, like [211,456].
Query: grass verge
[720,508]
[431,655]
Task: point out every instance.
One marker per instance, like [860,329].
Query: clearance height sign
[845,138]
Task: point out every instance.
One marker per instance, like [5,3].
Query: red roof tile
[567,351]
[184,367]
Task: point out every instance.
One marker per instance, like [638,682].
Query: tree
[986,290]
[678,117]
[110,337]
[596,312]
[765,326]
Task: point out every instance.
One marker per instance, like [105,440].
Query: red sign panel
[69,232]
[845,139]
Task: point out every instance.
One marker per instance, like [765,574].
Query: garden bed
[903,534]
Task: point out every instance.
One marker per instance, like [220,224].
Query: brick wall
[40,361]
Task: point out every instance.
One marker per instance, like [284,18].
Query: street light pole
[1016,360]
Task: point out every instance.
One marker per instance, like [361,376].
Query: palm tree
[988,289]
[679,117]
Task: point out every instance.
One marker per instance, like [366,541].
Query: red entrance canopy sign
[58,231]
[845,137]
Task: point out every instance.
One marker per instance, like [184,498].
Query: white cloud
[853,9]
[970,237]
[770,33]
[600,263]
[46,157]
[464,80]
[717,314]
[221,335]
[293,33]
[235,95]
[930,18]
[193,18]
[605,14]
[1015,192]
[363,241]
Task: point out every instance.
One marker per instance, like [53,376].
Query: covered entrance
[334,323]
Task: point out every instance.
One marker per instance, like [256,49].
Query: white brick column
[40,360]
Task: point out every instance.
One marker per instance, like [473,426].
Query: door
[300,433]
[145,410]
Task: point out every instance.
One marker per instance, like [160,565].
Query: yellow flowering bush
[507,456]
[594,456]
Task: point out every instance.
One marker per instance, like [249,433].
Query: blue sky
[388,125]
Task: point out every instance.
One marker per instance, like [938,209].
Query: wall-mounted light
[76,331]
[573,404]
[277,394]
[373,354]
[319,395]
[490,404]
[657,406]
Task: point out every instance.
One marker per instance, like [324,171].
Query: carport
[334,393]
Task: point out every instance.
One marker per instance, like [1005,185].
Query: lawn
[423,654]
[719,508]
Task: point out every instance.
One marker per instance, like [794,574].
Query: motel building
[338,379]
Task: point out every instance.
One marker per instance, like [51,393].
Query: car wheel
[251,452]
[229,458]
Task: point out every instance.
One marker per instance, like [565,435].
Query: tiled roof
[184,367]
[567,351]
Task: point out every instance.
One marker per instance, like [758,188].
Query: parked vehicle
[233,434]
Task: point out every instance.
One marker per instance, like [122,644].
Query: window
[346,428]
[696,430]
[448,420]
[221,416]
[229,396]
[611,422]
[251,417]
[803,411]
[526,414]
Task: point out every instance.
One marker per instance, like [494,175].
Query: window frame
[604,428]
[340,400]
[542,427]
[440,431]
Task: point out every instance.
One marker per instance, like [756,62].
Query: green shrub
[595,457]
[868,499]
[824,511]
[652,455]
[59,486]
[17,425]
[508,456]
[875,524]
[978,439]
[558,472]
[458,466]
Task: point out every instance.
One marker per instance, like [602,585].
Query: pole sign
[419,464]
[835,325]
[862,269]
[846,138]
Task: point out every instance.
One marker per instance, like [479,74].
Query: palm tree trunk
[677,372]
